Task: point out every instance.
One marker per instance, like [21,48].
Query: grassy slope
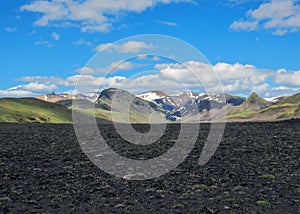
[137,114]
[287,109]
[33,110]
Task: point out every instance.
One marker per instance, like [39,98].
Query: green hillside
[254,103]
[294,99]
[33,110]
[257,109]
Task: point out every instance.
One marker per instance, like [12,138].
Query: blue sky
[251,45]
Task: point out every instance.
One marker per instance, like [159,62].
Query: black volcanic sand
[255,170]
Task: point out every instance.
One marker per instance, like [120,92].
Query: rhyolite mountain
[186,104]
[193,106]
[155,106]
[121,106]
[190,105]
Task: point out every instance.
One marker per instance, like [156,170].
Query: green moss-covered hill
[33,110]
[257,109]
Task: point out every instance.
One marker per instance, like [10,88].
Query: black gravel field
[256,169]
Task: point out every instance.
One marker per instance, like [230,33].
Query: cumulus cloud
[173,77]
[279,16]
[28,90]
[35,87]
[85,70]
[127,47]
[281,91]
[236,78]
[89,15]
[290,78]
[16,93]
[244,25]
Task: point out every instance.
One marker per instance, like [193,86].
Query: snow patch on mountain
[151,96]
[272,99]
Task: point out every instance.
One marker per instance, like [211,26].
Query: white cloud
[86,70]
[28,90]
[244,25]
[33,32]
[89,15]
[156,58]
[133,47]
[106,46]
[171,24]
[119,66]
[45,43]
[104,28]
[82,41]
[142,57]
[279,16]
[35,87]
[112,68]
[44,80]
[281,91]
[10,29]
[236,78]
[16,93]
[55,36]
[127,47]
[192,75]
[90,83]
[290,78]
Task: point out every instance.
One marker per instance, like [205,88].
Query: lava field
[256,169]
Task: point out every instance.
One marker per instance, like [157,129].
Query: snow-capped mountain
[153,95]
[92,96]
[53,97]
[189,103]
[275,100]
[184,106]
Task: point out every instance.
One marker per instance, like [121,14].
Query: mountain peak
[153,95]
[253,97]
[255,102]
[253,94]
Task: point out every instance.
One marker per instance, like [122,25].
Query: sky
[49,45]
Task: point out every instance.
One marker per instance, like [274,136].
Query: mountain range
[154,106]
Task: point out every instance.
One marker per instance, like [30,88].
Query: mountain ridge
[154,106]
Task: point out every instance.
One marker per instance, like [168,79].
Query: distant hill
[53,97]
[33,110]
